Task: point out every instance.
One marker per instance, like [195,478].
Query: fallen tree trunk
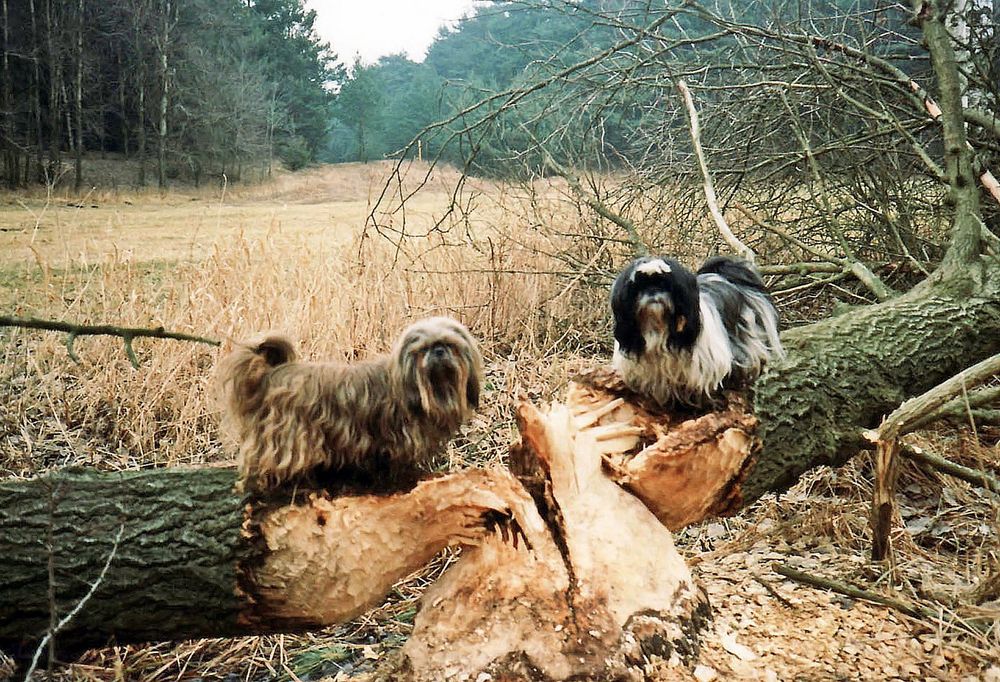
[196,559]
[846,373]
[564,573]
[841,376]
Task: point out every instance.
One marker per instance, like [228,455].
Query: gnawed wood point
[329,559]
[595,589]
[684,467]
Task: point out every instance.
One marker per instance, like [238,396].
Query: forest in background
[192,89]
[484,63]
[187,88]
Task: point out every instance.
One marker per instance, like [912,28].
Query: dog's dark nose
[438,352]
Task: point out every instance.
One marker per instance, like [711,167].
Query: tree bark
[7,149]
[161,150]
[122,103]
[197,560]
[78,100]
[141,87]
[847,372]
[36,97]
[55,78]
[176,561]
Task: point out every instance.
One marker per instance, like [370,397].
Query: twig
[841,262]
[713,204]
[76,609]
[909,413]
[125,333]
[861,271]
[886,441]
[833,263]
[772,590]
[914,91]
[910,609]
[980,479]
[638,245]
[801,285]
[958,407]
[805,268]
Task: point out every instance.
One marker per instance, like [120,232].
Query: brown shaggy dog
[380,417]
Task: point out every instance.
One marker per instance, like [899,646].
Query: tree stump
[592,586]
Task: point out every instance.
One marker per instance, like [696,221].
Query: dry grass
[339,294]
[522,266]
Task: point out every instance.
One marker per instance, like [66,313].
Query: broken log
[196,559]
[563,573]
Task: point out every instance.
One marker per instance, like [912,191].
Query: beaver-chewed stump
[686,466]
[591,587]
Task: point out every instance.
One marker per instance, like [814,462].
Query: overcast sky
[374,28]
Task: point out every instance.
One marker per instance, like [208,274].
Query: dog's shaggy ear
[473,360]
[472,391]
[410,367]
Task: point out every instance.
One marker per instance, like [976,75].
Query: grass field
[299,254]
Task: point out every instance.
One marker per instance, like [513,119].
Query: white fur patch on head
[657,266]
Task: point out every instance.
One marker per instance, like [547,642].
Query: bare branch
[980,479]
[903,419]
[968,225]
[125,333]
[887,446]
[913,610]
[713,204]
[859,269]
[958,407]
[638,245]
[76,609]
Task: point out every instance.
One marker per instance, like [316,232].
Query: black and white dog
[680,336]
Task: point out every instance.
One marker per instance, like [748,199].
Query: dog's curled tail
[274,349]
[241,373]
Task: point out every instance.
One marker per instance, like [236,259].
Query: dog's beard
[438,387]
[652,317]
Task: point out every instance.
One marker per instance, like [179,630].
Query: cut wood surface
[596,590]
[684,467]
[330,559]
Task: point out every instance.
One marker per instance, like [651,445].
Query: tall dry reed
[343,301]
